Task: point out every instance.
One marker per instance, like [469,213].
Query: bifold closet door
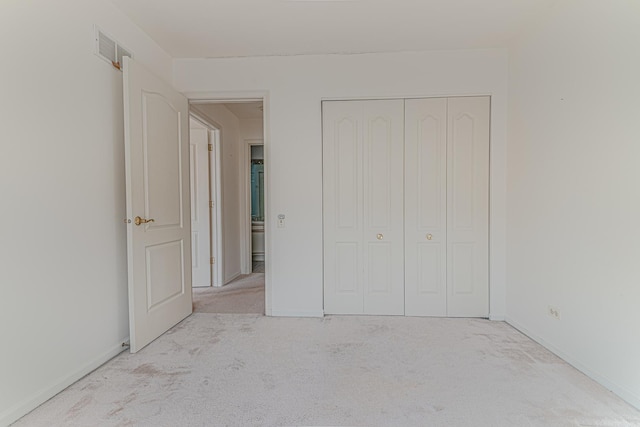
[447,207]
[468,206]
[426,207]
[363,156]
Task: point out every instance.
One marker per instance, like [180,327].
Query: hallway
[244,295]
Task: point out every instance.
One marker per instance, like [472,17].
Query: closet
[406,206]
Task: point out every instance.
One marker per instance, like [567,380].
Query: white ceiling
[228,28]
[245,110]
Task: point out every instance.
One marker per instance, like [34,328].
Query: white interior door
[363,159]
[383,189]
[468,207]
[157,178]
[200,205]
[342,205]
[426,207]
[215,188]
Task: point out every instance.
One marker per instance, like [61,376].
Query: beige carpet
[251,370]
[244,295]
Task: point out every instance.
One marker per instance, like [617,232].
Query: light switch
[281,221]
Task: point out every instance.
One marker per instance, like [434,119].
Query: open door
[201,204]
[156,121]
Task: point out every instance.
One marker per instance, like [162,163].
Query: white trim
[199,117]
[30,403]
[216,197]
[226,96]
[621,391]
[266,142]
[245,209]
[497,317]
[386,98]
[248,96]
[295,313]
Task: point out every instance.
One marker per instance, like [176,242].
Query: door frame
[245,210]
[250,96]
[215,195]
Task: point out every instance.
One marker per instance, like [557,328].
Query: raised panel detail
[429,173]
[425,204]
[165,273]
[342,206]
[463,172]
[380,268]
[346,280]
[429,268]
[161,141]
[346,140]
[468,206]
[463,268]
[378,147]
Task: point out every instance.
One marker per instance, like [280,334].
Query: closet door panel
[342,206]
[383,158]
[425,207]
[468,207]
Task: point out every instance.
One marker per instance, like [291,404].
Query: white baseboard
[287,313]
[29,404]
[497,317]
[621,391]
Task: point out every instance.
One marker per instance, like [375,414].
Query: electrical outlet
[554,312]
[280,221]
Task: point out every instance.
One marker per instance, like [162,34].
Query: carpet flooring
[251,370]
[245,295]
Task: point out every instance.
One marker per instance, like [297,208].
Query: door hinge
[213,260]
[211,204]
[210,147]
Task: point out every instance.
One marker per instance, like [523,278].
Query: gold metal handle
[429,236]
[137,220]
[379,236]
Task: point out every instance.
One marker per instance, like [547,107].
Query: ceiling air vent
[110,50]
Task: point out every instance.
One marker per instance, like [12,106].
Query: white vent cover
[109,49]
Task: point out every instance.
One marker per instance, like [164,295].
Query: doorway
[241,202]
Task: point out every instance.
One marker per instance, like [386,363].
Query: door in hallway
[200,204]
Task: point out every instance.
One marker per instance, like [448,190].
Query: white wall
[63,281]
[230,153]
[293,148]
[251,129]
[573,192]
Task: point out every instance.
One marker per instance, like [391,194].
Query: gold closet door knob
[379,236]
[139,220]
[429,236]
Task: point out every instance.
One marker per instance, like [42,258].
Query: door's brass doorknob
[429,236]
[379,236]
[137,220]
